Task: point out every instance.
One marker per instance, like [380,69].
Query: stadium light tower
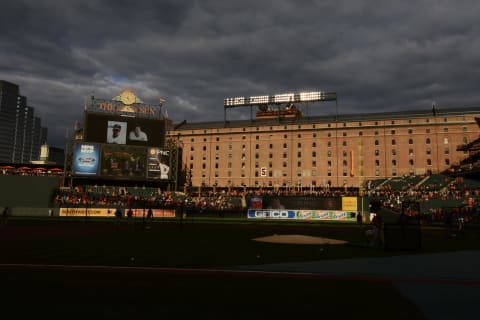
[285,98]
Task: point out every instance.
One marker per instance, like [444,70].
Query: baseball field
[183,268]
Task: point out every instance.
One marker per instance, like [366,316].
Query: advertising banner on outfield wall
[349,203]
[110,212]
[331,215]
[269,201]
[91,212]
[157,213]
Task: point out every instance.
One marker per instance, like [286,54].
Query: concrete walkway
[442,285]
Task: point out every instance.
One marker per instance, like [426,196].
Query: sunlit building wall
[324,151]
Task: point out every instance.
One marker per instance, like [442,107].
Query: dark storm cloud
[377,55]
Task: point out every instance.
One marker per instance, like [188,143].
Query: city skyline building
[21,132]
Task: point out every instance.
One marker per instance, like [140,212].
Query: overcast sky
[377,55]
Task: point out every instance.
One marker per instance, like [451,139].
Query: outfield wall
[33,196]
[32,211]
[28,191]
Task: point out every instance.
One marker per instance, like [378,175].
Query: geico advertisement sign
[271,214]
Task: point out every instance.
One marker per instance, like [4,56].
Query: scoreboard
[99,128]
[122,139]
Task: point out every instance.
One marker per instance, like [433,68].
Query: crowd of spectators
[146,197]
[438,196]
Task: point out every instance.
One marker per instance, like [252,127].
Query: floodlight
[310,96]
[280,98]
[285,97]
[237,101]
[259,99]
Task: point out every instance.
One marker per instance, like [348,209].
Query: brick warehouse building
[323,151]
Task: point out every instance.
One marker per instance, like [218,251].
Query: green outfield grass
[192,243]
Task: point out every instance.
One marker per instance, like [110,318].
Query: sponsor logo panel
[332,215]
[304,214]
[349,203]
[110,212]
[271,214]
[91,212]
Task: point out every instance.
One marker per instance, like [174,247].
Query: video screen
[158,164]
[123,162]
[86,159]
[115,129]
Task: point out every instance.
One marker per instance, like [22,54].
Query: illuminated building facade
[284,151]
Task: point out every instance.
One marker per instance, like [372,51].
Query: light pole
[336,140]
[65,155]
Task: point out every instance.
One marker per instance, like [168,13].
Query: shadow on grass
[194,244]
